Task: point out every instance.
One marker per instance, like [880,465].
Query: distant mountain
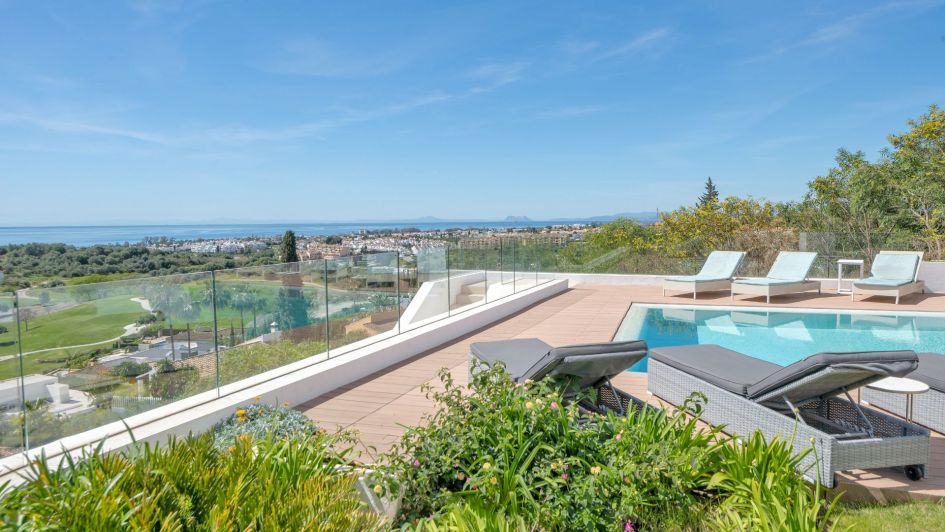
[517,219]
[642,217]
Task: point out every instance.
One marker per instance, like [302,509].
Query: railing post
[25,437]
[327,322]
[216,328]
[513,266]
[449,299]
[399,310]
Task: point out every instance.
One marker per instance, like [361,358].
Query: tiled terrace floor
[378,406]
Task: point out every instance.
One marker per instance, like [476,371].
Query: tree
[288,251]
[25,315]
[918,158]
[3,329]
[291,308]
[856,200]
[711,194]
[622,232]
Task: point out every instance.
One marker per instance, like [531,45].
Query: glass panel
[525,260]
[97,353]
[467,279]
[493,258]
[545,263]
[11,383]
[363,296]
[429,289]
[270,316]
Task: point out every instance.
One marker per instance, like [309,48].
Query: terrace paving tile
[378,405]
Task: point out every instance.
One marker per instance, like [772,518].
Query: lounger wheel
[914,472]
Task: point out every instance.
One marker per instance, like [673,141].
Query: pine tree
[288,252]
[711,194]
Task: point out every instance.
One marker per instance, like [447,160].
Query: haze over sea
[112,234]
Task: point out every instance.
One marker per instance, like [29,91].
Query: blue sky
[163,111]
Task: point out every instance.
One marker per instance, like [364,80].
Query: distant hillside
[642,217]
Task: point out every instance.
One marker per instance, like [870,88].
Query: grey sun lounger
[747,394]
[716,274]
[788,275]
[893,274]
[582,368]
[928,408]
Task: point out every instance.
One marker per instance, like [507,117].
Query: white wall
[434,298]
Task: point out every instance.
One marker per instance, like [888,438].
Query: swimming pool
[781,336]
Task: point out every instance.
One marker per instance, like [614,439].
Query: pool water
[781,336]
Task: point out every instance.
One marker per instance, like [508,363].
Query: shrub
[296,484]
[761,490]
[513,457]
[130,368]
[525,455]
[259,421]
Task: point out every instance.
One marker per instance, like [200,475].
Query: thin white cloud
[640,42]
[78,126]
[223,135]
[849,26]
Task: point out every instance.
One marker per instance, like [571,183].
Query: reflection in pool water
[782,336]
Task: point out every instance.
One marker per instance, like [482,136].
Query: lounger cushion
[727,369]
[721,264]
[881,282]
[530,358]
[931,371]
[792,265]
[588,362]
[863,368]
[894,266]
[765,281]
[695,279]
[518,355]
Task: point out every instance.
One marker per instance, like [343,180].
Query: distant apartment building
[320,250]
[554,238]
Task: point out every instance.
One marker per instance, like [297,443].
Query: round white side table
[901,385]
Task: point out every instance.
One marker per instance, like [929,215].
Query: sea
[83,236]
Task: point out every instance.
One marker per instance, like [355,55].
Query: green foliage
[269,484]
[130,368]
[260,421]
[711,194]
[472,515]
[245,361]
[291,310]
[287,250]
[761,491]
[622,232]
[903,515]
[522,454]
[512,457]
[26,263]
[172,382]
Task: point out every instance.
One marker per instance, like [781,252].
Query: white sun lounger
[716,274]
[788,275]
[893,274]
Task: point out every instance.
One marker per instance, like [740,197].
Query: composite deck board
[379,406]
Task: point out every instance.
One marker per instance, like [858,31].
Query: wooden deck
[379,406]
